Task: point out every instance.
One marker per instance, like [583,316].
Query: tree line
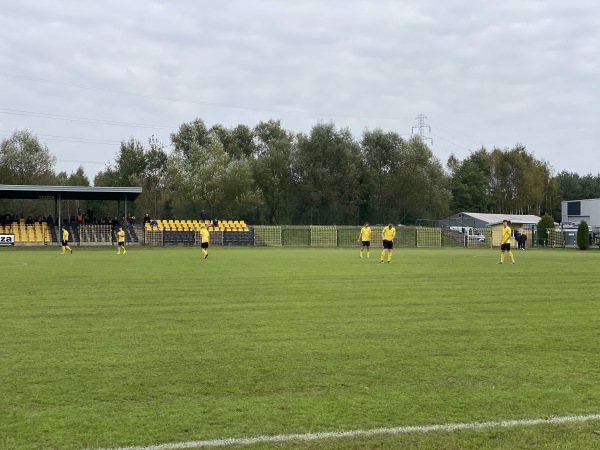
[270,175]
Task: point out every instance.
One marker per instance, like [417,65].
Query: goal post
[269,236]
[429,237]
[323,236]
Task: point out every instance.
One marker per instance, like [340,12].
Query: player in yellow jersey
[365,239]
[65,241]
[505,242]
[205,236]
[121,241]
[387,235]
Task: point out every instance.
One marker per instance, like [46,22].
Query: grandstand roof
[480,220]
[493,219]
[38,192]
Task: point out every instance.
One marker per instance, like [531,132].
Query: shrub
[583,236]
[547,223]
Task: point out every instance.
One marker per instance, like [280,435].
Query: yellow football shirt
[121,236]
[389,233]
[506,235]
[65,235]
[205,234]
[365,233]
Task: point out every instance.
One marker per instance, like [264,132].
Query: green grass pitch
[99,350]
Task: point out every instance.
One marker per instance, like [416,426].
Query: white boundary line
[353,433]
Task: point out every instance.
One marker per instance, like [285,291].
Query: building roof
[493,219]
[38,192]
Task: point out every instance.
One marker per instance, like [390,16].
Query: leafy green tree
[469,183]
[237,142]
[272,168]
[154,199]
[544,225]
[77,178]
[518,182]
[141,166]
[423,185]
[191,135]
[196,176]
[327,165]
[403,177]
[382,154]
[130,163]
[24,160]
[583,236]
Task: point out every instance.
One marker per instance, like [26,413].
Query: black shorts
[505,247]
[121,244]
[65,243]
[204,245]
[388,245]
[365,243]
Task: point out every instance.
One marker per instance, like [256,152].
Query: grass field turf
[158,345]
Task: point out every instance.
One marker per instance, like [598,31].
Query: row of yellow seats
[224,223]
[43,226]
[194,228]
[17,230]
[30,238]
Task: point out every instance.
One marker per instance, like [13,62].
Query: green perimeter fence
[348,236]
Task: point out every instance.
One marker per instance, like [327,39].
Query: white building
[575,211]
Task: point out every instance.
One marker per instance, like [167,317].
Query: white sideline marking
[353,433]
[14,264]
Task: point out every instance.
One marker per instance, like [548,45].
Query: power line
[18,112]
[81,162]
[461,135]
[82,140]
[197,102]
[450,142]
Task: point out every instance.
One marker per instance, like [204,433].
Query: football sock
[389,256]
[502,256]
[382,255]
[512,258]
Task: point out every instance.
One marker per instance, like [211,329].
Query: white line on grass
[354,433]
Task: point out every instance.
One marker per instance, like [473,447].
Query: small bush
[547,223]
[583,236]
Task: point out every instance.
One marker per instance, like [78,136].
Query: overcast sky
[83,75]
